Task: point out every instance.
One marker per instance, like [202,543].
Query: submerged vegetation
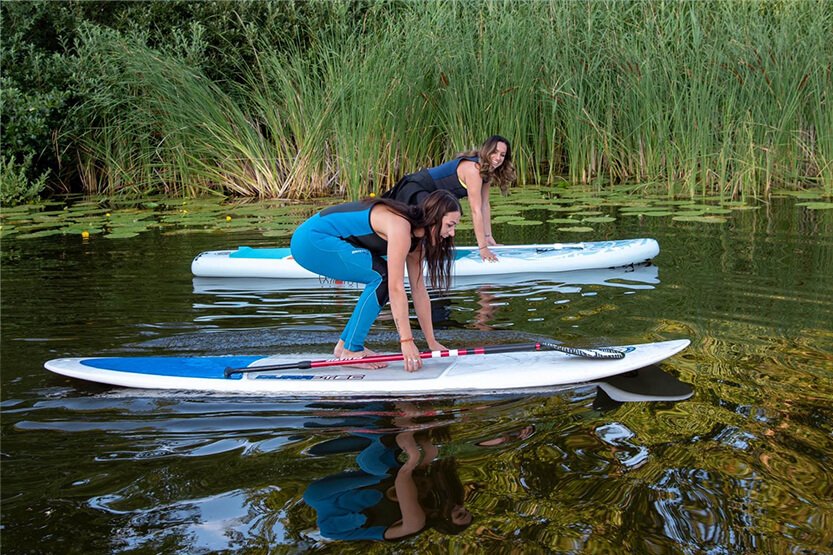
[703,98]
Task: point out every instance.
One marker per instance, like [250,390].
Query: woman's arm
[422,302]
[397,231]
[413,516]
[468,172]
[486,211]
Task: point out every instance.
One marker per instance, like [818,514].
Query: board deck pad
[502,372]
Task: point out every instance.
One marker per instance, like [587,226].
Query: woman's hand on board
[486,255]
[410,355]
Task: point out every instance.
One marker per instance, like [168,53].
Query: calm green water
[743,465]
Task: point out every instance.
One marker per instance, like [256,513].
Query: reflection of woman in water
[389,500]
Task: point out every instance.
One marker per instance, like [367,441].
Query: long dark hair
[503,176]
[440,492]
[438,252]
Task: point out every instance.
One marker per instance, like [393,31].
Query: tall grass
[721,97]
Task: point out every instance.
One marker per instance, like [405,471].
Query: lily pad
[562,221]
[507,219]
[278,233]
[38,234]
[121,235]
[599,219]
[700,219]
[76,229]
[565,208]
[816,205]
[524,222]
[576,229]
[657,213]
[636,208]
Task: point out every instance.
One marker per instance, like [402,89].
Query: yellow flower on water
[228,218]
[85,234]
[107,214]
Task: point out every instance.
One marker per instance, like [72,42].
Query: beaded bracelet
[411,339]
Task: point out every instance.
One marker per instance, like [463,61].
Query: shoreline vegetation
[696,98]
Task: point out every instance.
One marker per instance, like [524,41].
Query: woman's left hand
[487,255]
[410,355]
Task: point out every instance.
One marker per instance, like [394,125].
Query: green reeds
[723,97]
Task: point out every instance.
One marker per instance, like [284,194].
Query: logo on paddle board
[310,377]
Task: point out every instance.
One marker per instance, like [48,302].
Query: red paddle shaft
[598,353]
[306,364]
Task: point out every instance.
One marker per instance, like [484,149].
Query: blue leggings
[335,258]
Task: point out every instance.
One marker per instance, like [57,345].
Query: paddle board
[248,262]
[492,373]
[634,277]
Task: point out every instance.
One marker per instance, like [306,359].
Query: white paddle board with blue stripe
[489,373]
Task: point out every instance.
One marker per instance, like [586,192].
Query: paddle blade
[600,352]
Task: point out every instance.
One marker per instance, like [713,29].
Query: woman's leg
[337,259]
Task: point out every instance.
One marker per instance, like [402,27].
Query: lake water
[743,465]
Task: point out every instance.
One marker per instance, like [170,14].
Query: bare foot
[350,355]
[339,350]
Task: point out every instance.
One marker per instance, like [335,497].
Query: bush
[15,185]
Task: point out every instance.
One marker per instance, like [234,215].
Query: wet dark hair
[437,251]
[443,492]
[505,175]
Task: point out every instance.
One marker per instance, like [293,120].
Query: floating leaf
[657,213]
[38,234]
[121,235]
[576,229]
[278,233]
[524,222]
[565,208]
[637,209]
[76,229]
[701,219]
[809,194]
[507,219]
[599,219]
[816,205]
[562,221]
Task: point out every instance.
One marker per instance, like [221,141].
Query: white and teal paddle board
[634,277]
[456,375]
[248,262]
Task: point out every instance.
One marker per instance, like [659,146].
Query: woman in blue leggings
[373,242]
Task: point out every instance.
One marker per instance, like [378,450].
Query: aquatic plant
[720,98]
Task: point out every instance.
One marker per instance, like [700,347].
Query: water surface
[743,465]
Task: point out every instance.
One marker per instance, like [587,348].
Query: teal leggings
[333,257]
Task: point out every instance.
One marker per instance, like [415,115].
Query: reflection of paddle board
[250,262]
[646,384]
[639,276]
[503,372]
